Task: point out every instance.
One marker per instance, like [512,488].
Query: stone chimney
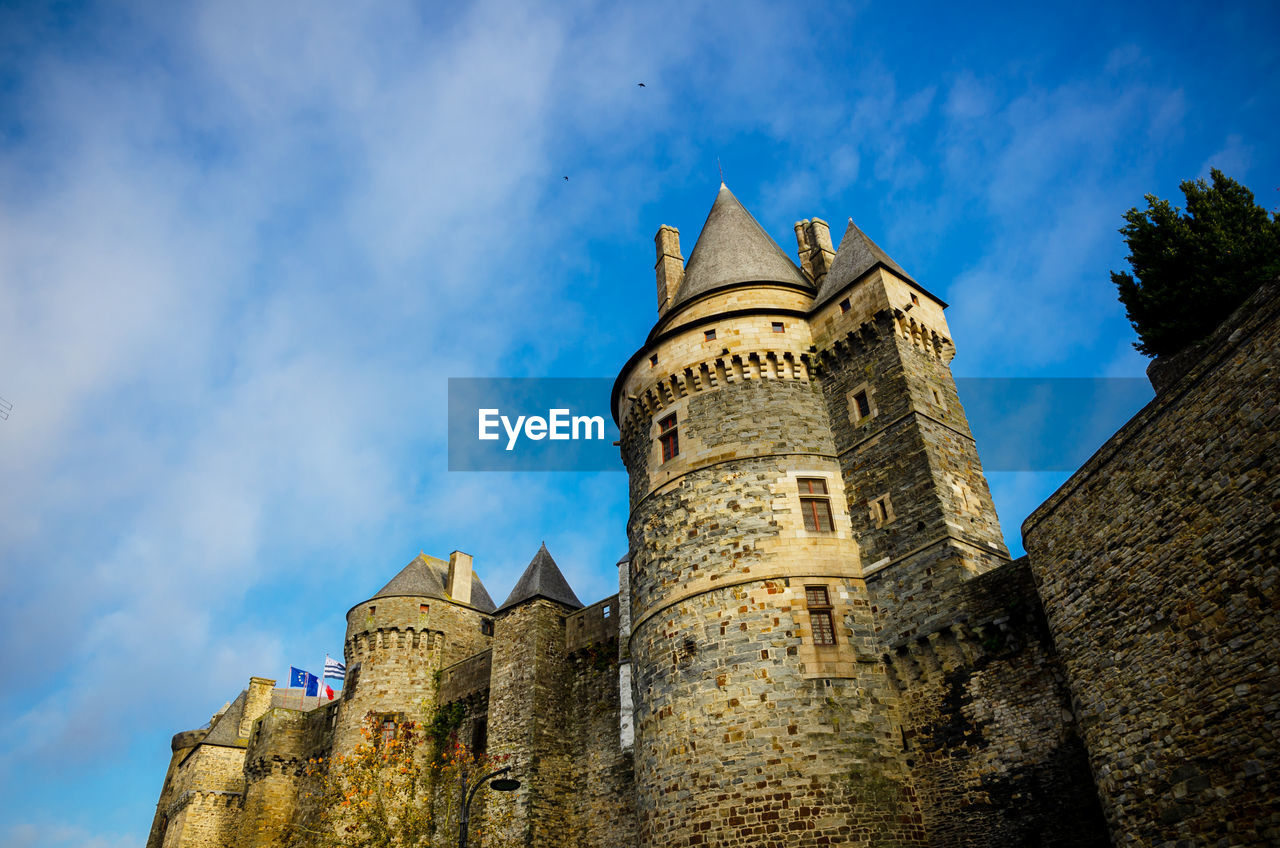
[670,266]
[460,577]
[813,243]
[256,704]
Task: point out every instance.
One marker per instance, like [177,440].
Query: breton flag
[299,679]
[334,669]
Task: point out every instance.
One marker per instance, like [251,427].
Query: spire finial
[721,167]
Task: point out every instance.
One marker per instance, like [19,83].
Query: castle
[819,636]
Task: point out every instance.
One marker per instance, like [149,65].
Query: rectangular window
[819,602]
[653,360]
[778,327]
[845,306]
[881,511]
[486,627]
[864,405]
[608,610]
[815,505]
[709,335]
[668,437]
[479,736]
[388,730]
[915,300]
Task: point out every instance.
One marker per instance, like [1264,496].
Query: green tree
[1192,268]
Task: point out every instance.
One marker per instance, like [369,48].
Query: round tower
[762,710]
[431,615]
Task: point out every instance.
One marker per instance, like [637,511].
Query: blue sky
[244,245]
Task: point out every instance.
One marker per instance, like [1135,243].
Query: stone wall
[735,746]
[993,748]
[181,745]
[528,705]
[278,786]
[207,794]
[1159,566]
[603,801]
[394,647]
[920,506]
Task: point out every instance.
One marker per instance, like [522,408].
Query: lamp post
[503,784]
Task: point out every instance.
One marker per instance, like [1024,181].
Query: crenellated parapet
[868,335]
[711,374]
[361,644]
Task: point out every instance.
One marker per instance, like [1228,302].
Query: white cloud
[1233,159]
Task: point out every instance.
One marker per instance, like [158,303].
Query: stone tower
[921,508]
[762,707]
[431,615]
[528,700]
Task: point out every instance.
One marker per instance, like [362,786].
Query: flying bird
[566,178]
[640,84]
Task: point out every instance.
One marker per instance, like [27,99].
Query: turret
[756,676]
[431,614]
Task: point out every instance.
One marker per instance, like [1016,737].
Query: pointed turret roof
[734,248]
[542,579]
[856,255]
[426,577]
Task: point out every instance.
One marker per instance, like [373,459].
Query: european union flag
[299,679]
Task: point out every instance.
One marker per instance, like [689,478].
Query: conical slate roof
[425,577]
[734,248]
[542,579]
[418,579]
[856,255]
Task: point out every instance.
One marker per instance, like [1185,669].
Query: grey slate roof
[542,579]
[856,255]
[226,730]
[480,595]
[734,248]
[418,578]
[426,577]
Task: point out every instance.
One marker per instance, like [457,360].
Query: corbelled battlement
[713,373]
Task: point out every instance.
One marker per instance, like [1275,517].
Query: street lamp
[502,784]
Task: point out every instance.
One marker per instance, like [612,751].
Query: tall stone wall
[988,734]
[279,788]
[207,796]
[1159,566]
[603,801]
[528,703]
